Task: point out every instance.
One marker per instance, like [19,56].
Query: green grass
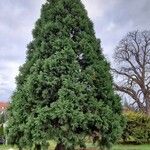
[131,147]
[3,147]
[117,147]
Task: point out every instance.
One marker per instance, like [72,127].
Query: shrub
[1,131]
[137,129]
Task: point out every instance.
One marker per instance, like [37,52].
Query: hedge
[137,129]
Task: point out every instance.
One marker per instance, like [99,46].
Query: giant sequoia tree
[64,90]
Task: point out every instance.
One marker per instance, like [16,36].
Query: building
[3,106]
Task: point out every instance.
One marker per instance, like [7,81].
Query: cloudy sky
[112,20]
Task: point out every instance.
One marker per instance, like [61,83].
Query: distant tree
[64,90]
[3,116]
[128,107]
[132,56]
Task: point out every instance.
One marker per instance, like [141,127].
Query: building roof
[3,105]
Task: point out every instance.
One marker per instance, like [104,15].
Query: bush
[137,129]
[1,131]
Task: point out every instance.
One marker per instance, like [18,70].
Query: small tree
[132,56]
[64,90]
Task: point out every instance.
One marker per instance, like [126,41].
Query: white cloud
[97,8]
[7,78]
[111,27]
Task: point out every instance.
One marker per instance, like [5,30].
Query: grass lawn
[3,147]
[131,147]
[117,147]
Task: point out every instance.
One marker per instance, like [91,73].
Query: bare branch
[132,56]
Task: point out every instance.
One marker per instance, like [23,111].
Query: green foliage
[137,129]
[64,90]
[3,116]
[1,132]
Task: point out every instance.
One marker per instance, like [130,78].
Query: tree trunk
[60,146]
[147,106]
[19,148]
[37,147]
[148,110]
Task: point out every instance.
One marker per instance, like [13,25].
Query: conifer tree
[64,90]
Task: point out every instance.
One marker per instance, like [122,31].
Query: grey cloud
[17,18]
[135,11]
[119,18]
[8,71]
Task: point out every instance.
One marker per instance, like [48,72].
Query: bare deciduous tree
[132,56]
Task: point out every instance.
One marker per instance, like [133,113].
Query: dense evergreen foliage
[137,130]
[64,90]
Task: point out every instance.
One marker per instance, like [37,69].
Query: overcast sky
[112,20]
